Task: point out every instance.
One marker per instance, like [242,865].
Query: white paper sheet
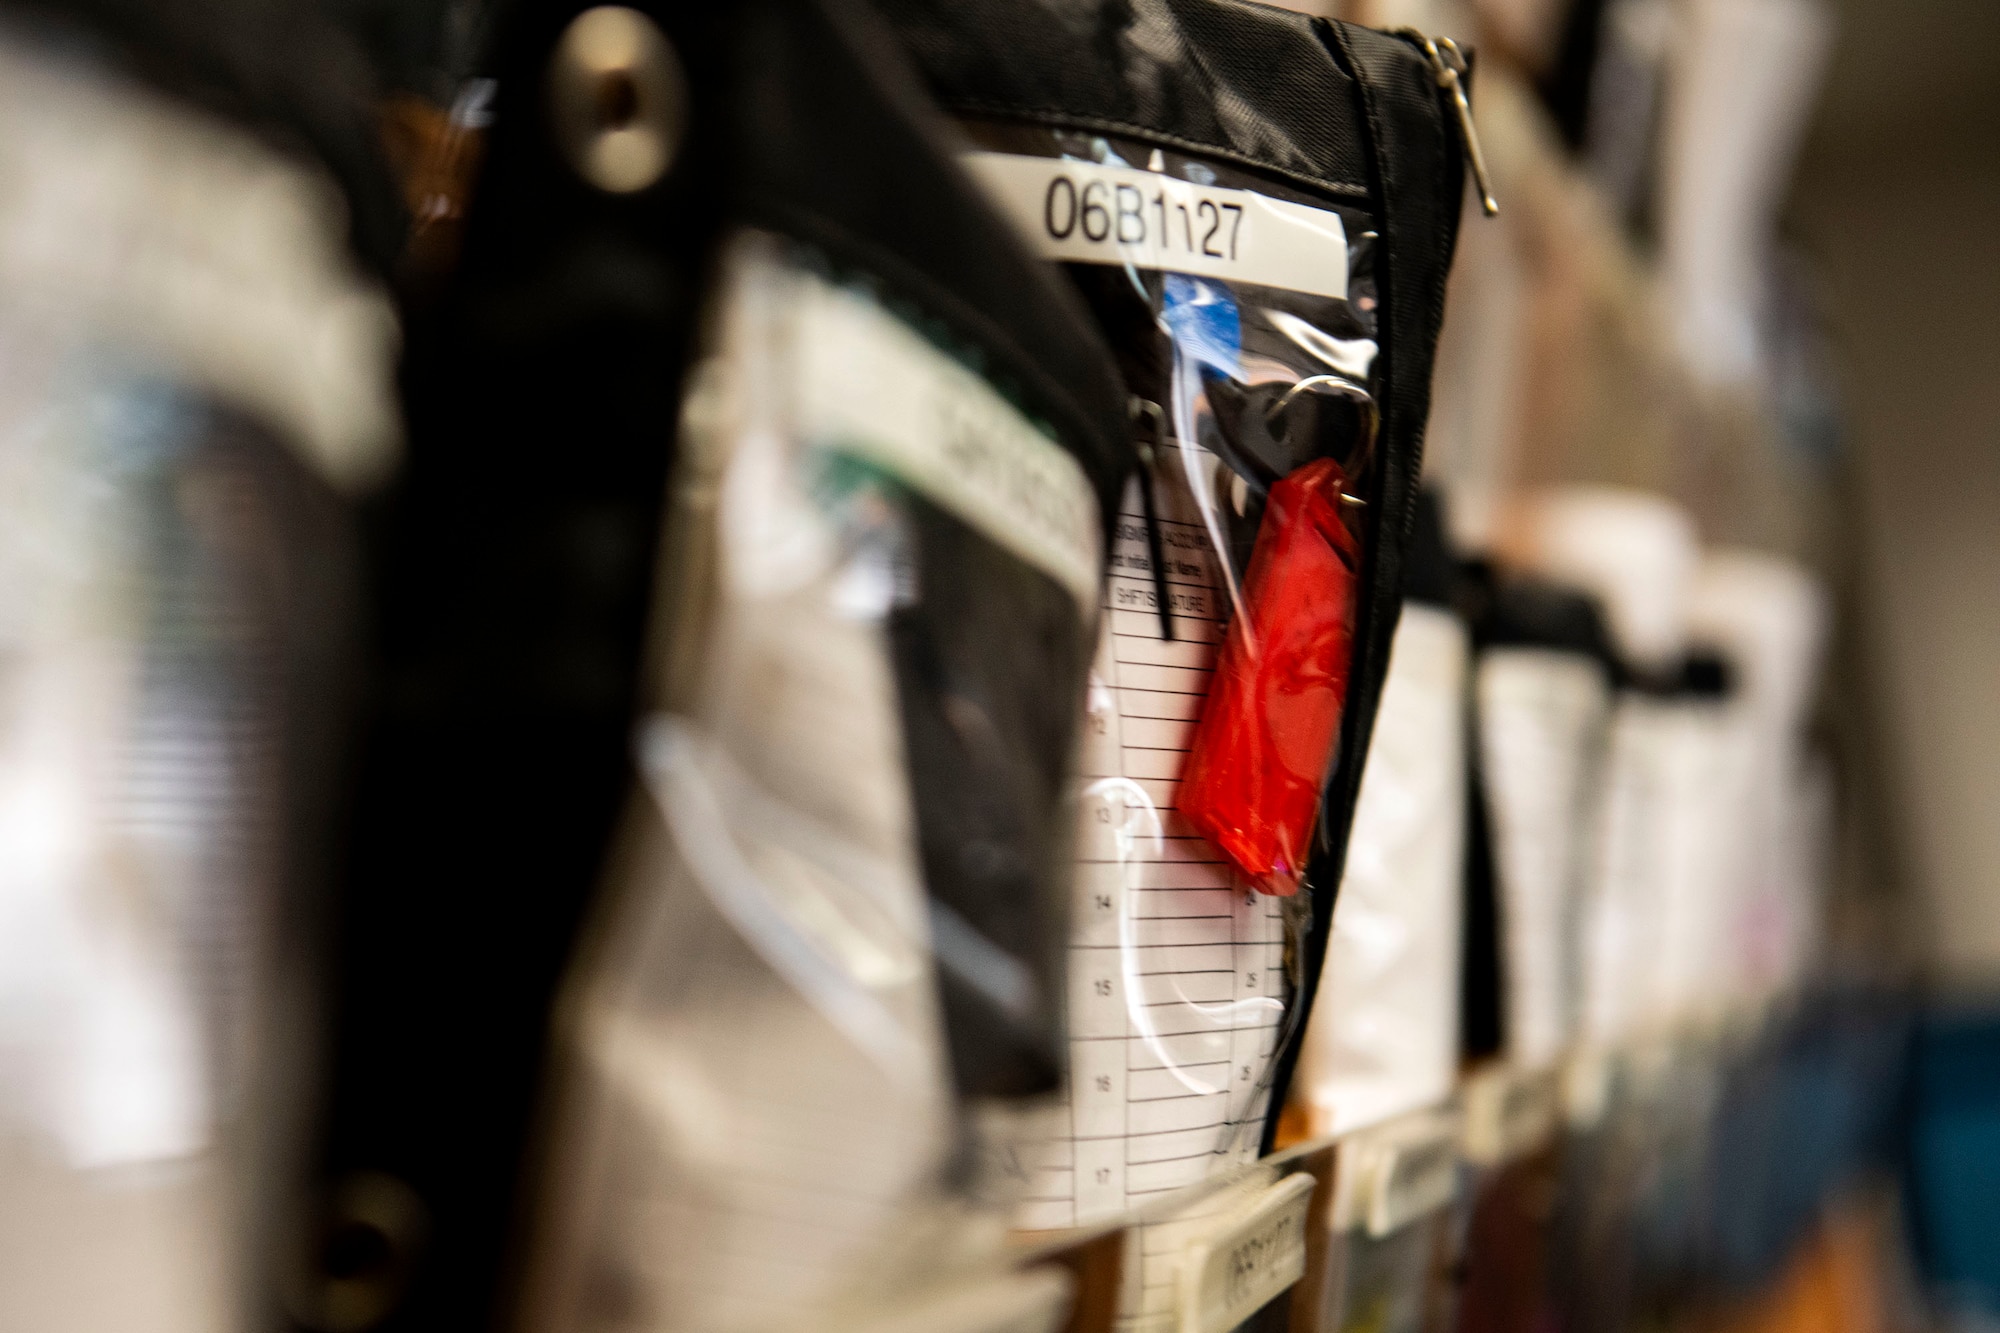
[1176,981]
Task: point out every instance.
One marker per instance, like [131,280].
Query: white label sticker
[1249,1257]
[1085,212]
[871,386]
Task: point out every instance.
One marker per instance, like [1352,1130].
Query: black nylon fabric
[1340,110]
[1418,181]
[990,702]
[1518,612]
[1241,82]
[902,211]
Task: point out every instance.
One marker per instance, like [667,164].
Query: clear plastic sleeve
[790,1041]
[1242,312]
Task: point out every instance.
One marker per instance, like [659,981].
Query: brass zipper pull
[1448,63]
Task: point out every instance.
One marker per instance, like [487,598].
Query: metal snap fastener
[362,1254]
[618,99]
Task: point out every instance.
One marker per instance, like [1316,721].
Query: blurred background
[1858,434]
[1751,243]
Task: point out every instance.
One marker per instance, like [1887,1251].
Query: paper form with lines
[1177,986]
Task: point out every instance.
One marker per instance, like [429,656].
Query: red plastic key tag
[1251,784]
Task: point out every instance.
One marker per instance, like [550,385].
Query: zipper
[1448,66]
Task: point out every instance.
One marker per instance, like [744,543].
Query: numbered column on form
[1169,954]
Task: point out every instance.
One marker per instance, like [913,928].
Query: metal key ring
[1340,387]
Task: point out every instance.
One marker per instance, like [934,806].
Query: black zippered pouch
[1306,111]
[516,573]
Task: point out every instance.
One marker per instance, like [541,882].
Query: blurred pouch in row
[826,967]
